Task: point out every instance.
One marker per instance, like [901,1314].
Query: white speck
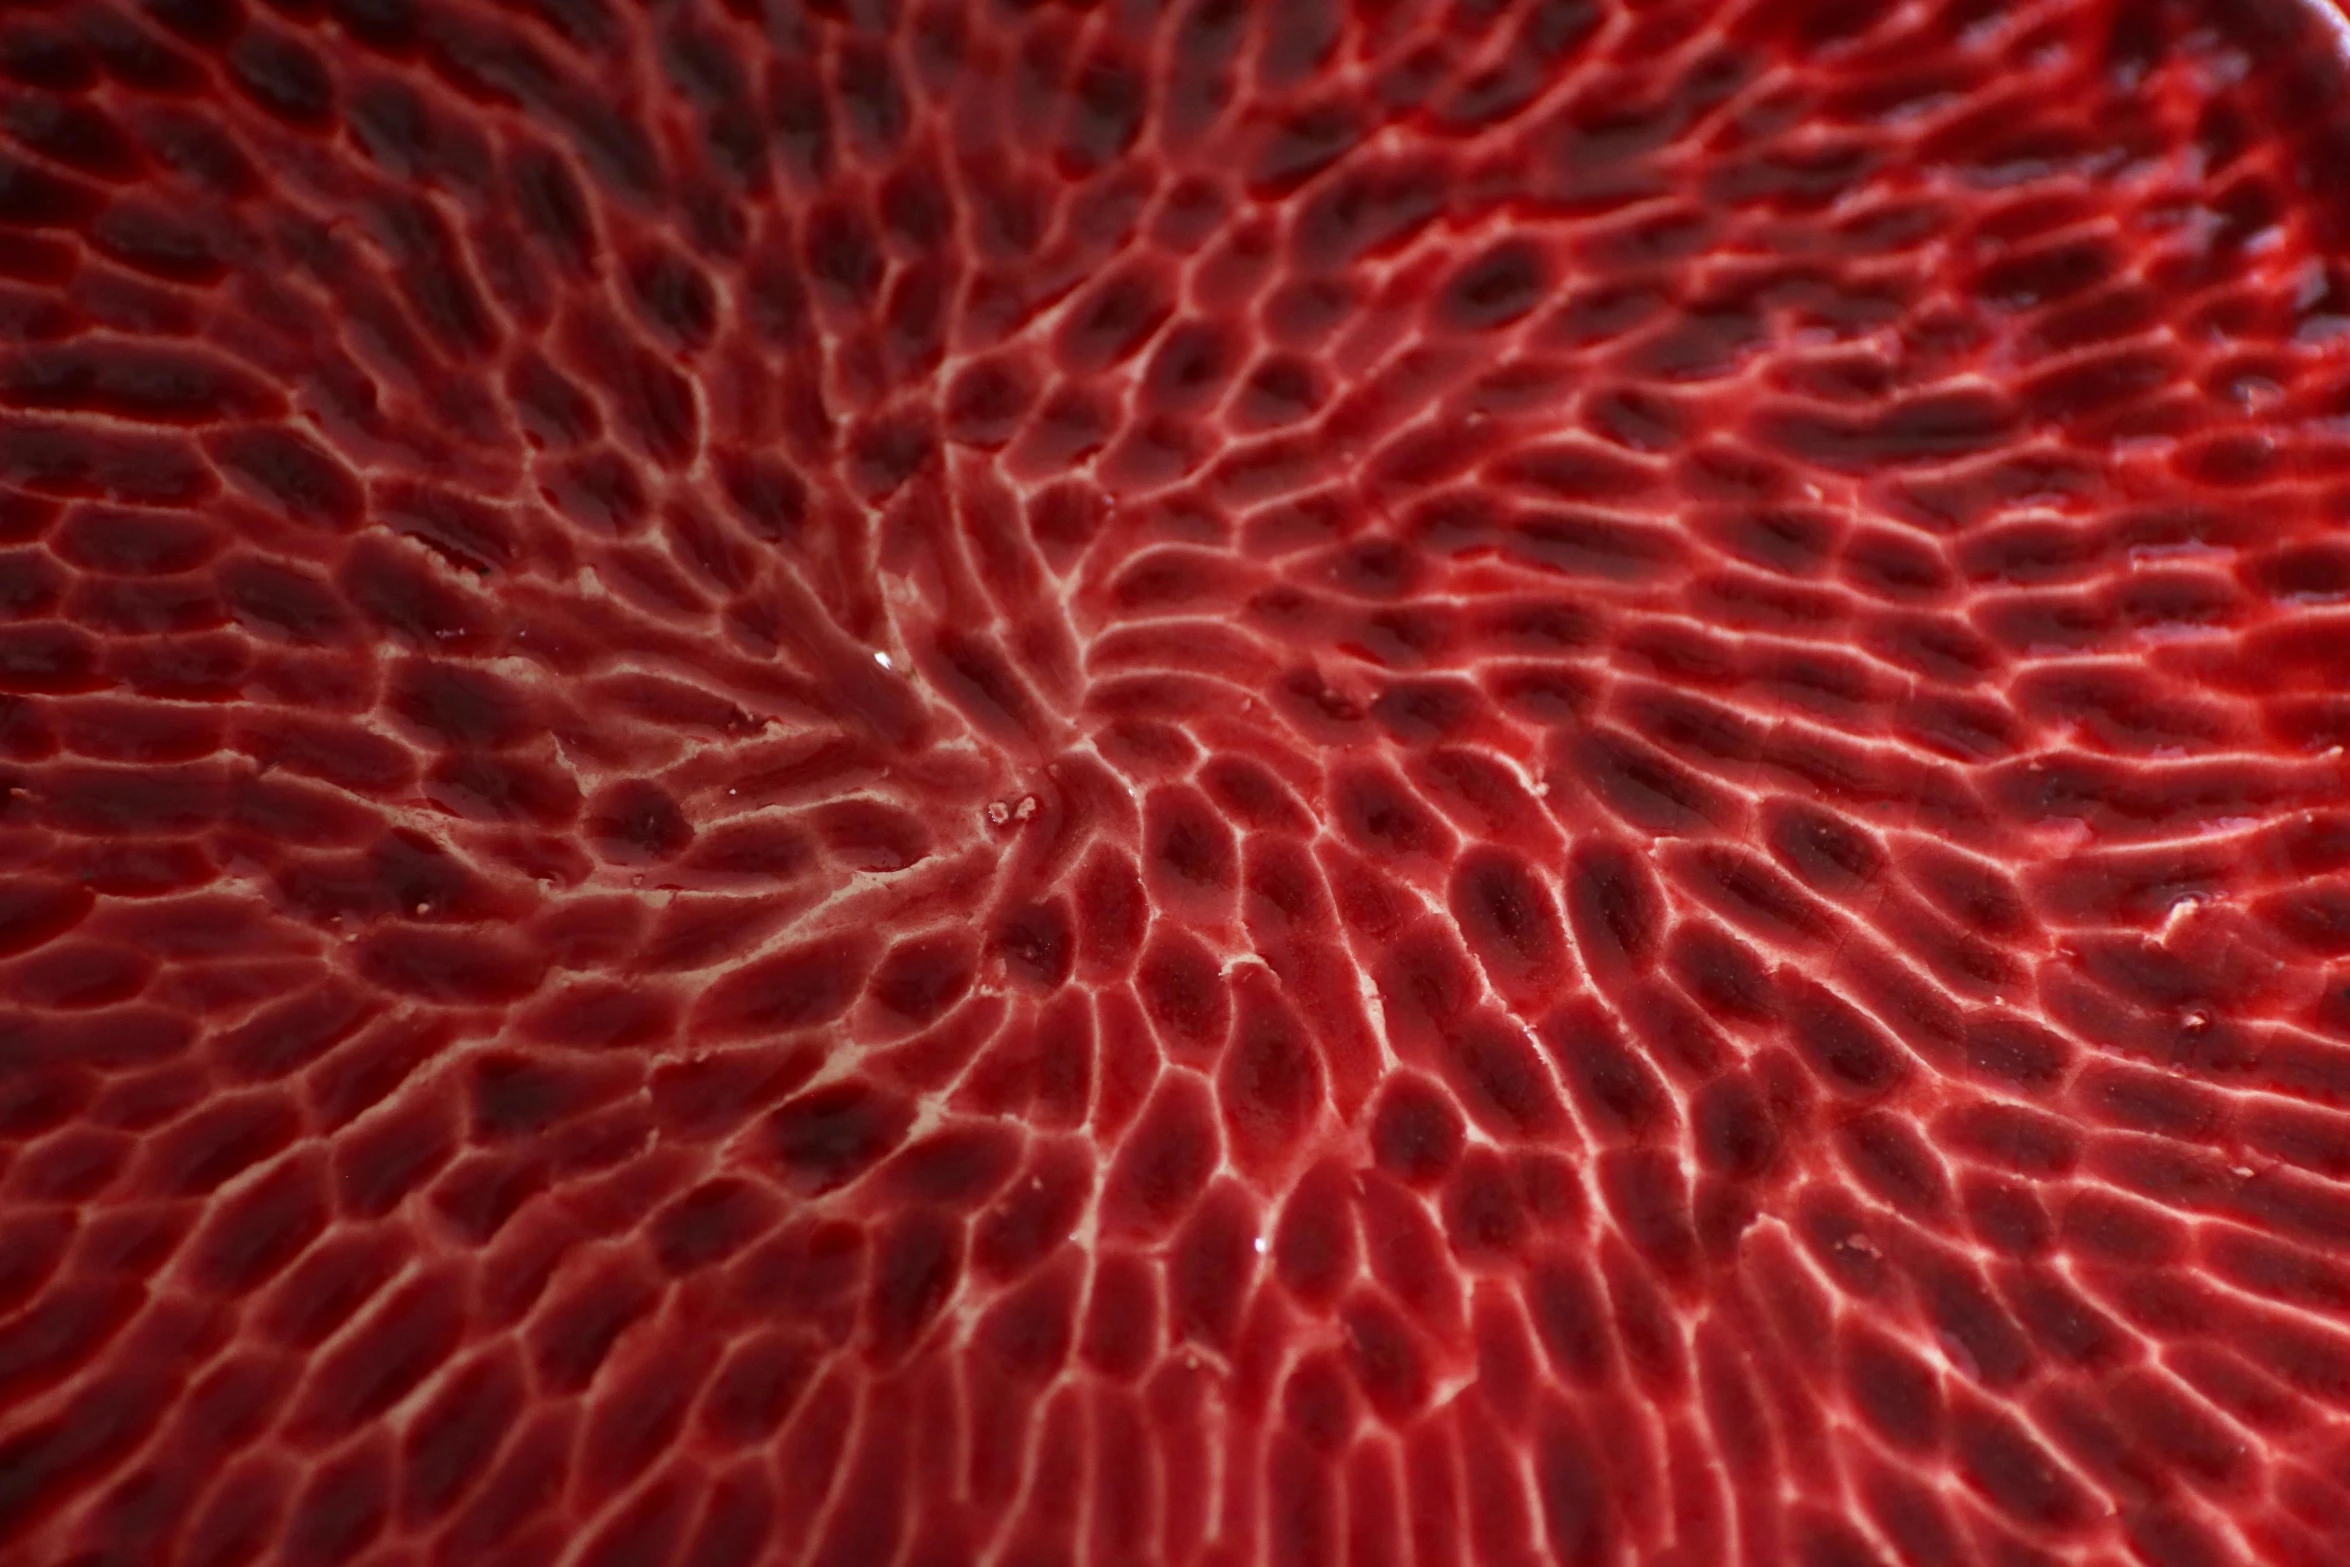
[2180,913]
[998,812]
[421,910]
[1260,1245]
[883,660]
[1954,1351]
[2242,1172]
[1026,809]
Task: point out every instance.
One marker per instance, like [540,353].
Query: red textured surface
[1417,785]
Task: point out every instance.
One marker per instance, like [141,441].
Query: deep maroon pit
[1419,785]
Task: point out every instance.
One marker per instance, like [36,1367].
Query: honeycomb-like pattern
[1435,783]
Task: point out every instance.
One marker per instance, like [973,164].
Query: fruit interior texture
[1416,785]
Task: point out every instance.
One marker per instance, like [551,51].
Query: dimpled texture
[1420,784]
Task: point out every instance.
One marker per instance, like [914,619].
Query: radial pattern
[1425,784]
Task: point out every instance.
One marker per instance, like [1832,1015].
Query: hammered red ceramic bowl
[1434,783]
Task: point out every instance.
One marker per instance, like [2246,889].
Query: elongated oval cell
[1274,783]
